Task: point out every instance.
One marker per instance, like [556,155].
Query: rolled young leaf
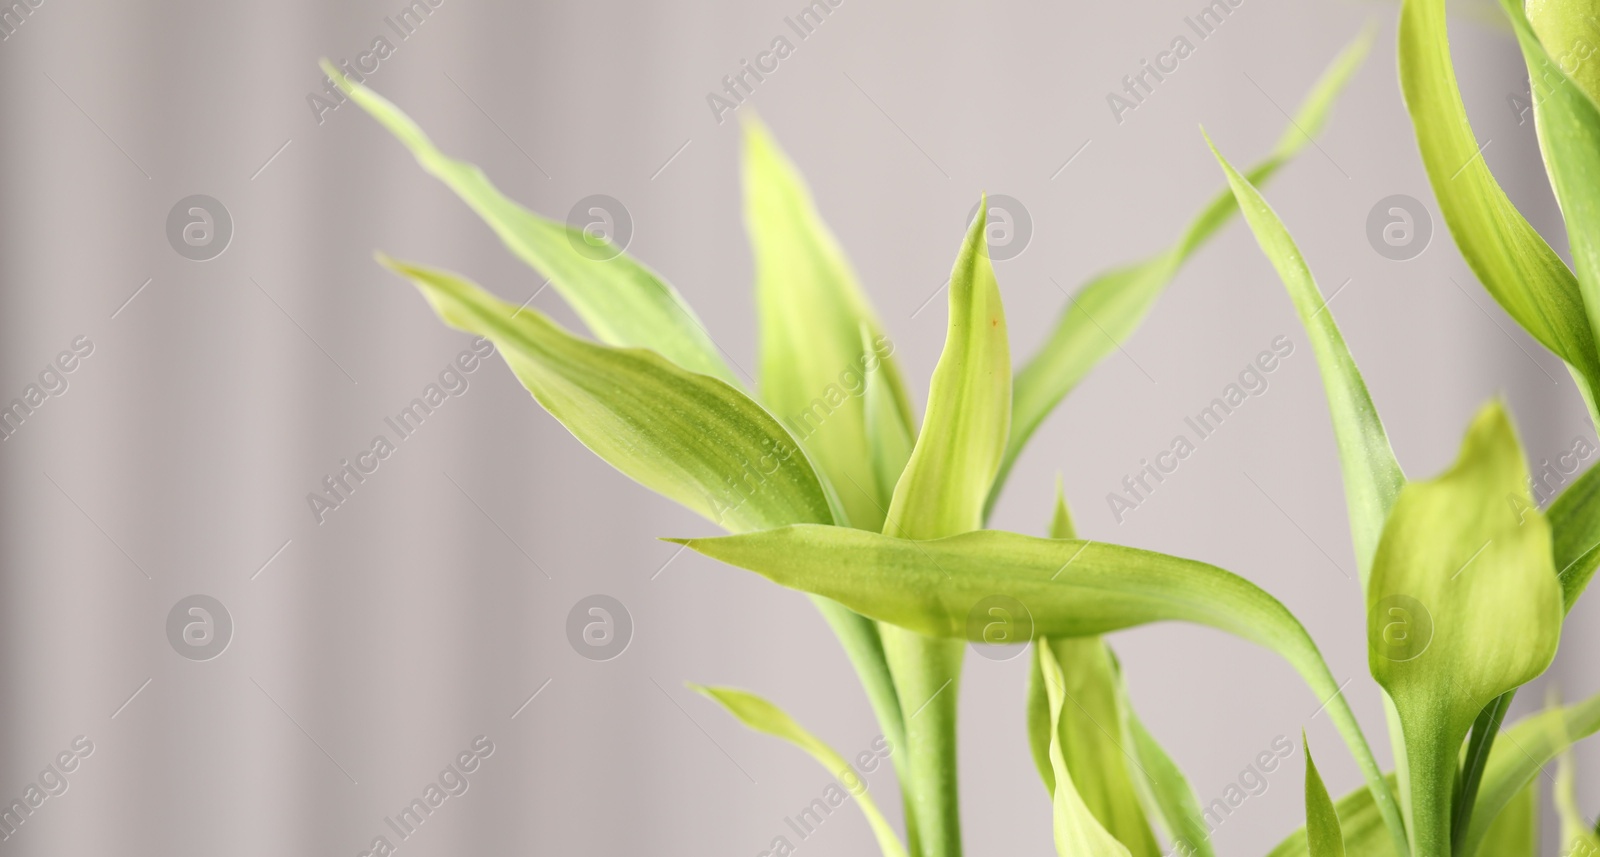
[941,493]
[763,716]
[1106,311]
[1372,477]
[814,317]
[1464,605]
[1323,834]
[1094,733]
[620,300]
[1070,588]
[1513,262]
[1077,832]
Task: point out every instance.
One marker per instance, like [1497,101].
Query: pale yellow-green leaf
[1512,261]
[1077,832]
[1464,605]
[889,434]
[1577,833]
[620,300]
[941,493]
[1070,588]
[1360,825]
[815,367]
[1167,793]
[1106,310]
[1567,30]
[1323,834]
[1519,759]
[690,437]
[1372,477]
[1516,832]
[762,716]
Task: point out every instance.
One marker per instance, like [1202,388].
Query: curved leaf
[941,493]
[1169,796]
[1516,832]
[1323,834]
[1464,606]
[690,437]
[1077,832]
[1071,589]
[1575,530]
[763,716]
[620,300]
[814,366]
[1514,263]
[1360,825]
[1372,477]
[1106,311]
[1527,747]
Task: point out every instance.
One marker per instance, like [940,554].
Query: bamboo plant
[880,517]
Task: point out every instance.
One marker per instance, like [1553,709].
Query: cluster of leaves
[880,517]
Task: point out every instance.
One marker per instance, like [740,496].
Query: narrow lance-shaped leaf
[1323,835]
[814,365]
[941,493]
[1360,825]
[1514,263]
[1464,606]
[1372,477]
[763,716]
[1568,123]
[689,437]
[1519,759]
[619,299]
[1106,311]
[1070,588]
[1077,832]
[1575,529]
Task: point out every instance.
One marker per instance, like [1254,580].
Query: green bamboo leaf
[689,437]
[1569,137]
[1077,832]
[1464,605]
[1514,263]
[1323,834]
[1577,834]
[1566,29]
[620,300]
[1529,745]
[1372,477]
[814,367]
[1169,796]
[1040,723]
[763,716]
[1070,588]
[1575,529]
[941,493]
[1102,766]
[1516,832]
[1360,825]
[1106,311]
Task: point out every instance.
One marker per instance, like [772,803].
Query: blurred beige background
[368,652]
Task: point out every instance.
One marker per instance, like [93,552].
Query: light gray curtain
[416,636]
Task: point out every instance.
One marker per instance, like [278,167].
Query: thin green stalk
[1484,731]
[927,676]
